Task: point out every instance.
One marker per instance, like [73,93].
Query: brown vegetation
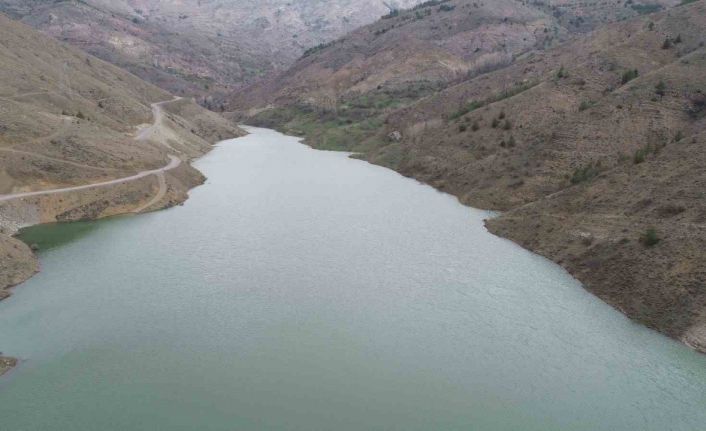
[592,147]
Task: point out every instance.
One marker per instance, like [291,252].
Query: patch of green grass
[644,9]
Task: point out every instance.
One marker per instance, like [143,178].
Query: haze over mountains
[432,45]
[197,47]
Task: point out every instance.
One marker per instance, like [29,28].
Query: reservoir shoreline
[7,363]
[141,193]
[383,300]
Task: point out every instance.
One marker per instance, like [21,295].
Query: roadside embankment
[144,191]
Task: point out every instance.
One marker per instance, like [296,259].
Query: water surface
[302,290]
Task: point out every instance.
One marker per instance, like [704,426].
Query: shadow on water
[54,235]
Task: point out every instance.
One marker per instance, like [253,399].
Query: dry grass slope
[69,119]
[593,147]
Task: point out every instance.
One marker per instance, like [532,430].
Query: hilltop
[591,141]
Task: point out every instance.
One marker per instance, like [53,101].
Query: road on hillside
[174,162]
[144,134]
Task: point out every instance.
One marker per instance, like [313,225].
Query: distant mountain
[429,46]
[590,142]
[197,47]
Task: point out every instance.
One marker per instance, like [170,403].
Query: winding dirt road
[173,163]
[155,131]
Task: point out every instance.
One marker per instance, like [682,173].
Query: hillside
[420,50]
[67,120]
[592,147]
[196,47]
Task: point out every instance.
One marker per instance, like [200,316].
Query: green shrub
[495,123]
[667,43]
[641,154]
[562,73]
[650,238]
[660,88]
[462,128]
[507,125]
[585,173]
[629,75]
[585,105]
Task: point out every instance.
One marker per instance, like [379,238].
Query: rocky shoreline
[6,364]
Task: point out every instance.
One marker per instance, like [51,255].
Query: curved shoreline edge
[29,261]
[139,193]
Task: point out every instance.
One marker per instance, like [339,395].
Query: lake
[303,290]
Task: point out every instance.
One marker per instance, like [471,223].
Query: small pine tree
[639,156]
[650,238]
[629,75]
[660,88]
[667,43]
[562,73]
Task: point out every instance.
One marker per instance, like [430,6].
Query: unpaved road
[156,130]
[174,162]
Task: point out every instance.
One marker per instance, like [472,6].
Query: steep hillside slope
[197,47]
[585,145]
[425,48]
[407,56]
[68,120]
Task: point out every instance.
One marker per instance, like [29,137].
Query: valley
[197,48]
[591,145]
[574,129]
